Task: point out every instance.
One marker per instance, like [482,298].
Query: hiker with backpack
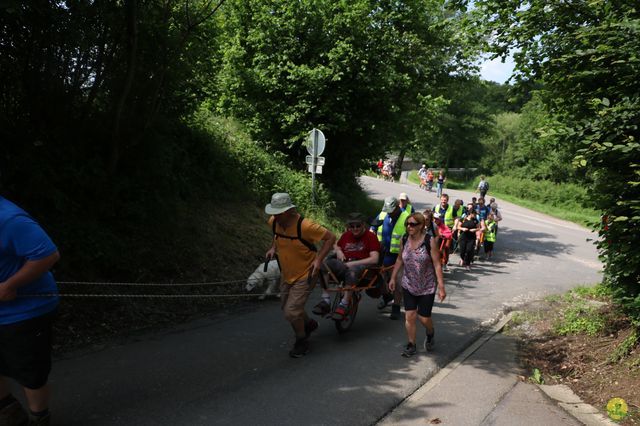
[420,259]
[390,227]
[294,239]
[483,186]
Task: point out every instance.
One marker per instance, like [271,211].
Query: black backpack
[426,242]
[309,245]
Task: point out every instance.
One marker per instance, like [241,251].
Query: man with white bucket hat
[294,239]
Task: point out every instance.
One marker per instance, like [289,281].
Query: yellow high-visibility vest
[396,233]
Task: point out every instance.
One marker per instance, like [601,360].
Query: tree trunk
[132,46]
[401,155]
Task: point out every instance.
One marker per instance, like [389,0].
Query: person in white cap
[405,203]
[294,240]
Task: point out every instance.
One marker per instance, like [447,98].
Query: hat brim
[268,209]
[386,209]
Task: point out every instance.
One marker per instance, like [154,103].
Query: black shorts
[25,350]
[424,304]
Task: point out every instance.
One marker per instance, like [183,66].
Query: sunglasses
[412,224]
[355,225]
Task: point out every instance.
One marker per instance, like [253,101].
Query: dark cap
[356,218]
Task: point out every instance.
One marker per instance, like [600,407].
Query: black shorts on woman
[423,303]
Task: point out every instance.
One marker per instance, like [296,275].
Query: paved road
[234,368]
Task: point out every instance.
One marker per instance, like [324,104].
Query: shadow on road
[520,244]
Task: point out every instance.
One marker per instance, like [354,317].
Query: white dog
[259,277]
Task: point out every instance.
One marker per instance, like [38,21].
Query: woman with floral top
[422,276]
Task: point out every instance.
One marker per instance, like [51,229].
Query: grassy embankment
[209,227]
[564,201]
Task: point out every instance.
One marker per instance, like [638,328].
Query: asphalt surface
[234,368]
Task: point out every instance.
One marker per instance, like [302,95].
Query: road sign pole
[313,166]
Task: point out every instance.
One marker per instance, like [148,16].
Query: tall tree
[359,70]
[585,53]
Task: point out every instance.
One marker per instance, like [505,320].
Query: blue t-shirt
[21,240]
[482,212]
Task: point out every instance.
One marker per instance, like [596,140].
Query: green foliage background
[584,56]
[124,125]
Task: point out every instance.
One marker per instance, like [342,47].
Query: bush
[557,195]
[566,200]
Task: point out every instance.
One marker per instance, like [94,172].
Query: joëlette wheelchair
[373,281]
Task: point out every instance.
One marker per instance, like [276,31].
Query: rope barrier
[213,283]
[141,296]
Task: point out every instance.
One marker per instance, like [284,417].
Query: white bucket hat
[280,203]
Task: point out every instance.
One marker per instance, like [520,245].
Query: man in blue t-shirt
[26,255]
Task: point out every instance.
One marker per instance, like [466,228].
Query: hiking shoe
[340,312]
[429,342]
[310,327]
[13,415]
[395,312]
[384,301]
[322,308]
[409,350]
[300,348]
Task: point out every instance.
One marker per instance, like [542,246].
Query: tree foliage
[92,102]
[585,54]
[366,72]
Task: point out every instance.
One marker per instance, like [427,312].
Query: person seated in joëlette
[357,249]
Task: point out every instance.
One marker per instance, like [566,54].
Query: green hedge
[567,201]
[546,192]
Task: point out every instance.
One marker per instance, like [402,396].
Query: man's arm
[328,241]
[30,271]
[339,253]
[272,250]
[373,258]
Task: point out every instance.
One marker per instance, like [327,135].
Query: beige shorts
[293,298]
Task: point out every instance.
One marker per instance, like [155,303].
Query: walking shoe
[310,327]
[409,350]
[13,415]
[384,300]
[300,348]
[445,268]
[395,312]
[340,312]
[322,308]
[429,342]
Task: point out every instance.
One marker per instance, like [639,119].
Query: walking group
[413,246]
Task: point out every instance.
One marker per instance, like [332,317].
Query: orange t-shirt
[296,258]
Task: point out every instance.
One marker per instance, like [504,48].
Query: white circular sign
[316,137]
